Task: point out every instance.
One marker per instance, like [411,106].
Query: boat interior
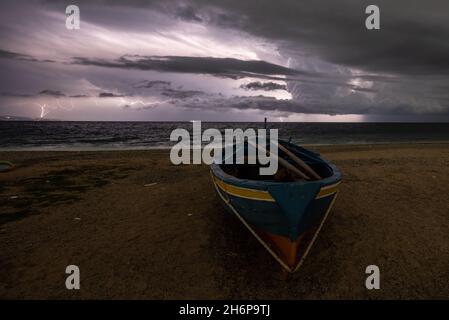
[283,174]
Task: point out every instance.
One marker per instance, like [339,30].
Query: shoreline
[166,148]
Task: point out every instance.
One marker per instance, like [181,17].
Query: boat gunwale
[218,172]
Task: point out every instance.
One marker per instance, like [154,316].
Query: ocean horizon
[141,135]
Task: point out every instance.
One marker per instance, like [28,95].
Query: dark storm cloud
[79,96]
[46,92]
[219,67]
[411,44]
[148,84]
[412,39]
[53,93]
[164,88]
[109,95]
[13,55]
[335,65]
[265,103]
[265,86]
[5,54]
[181,94]
[188,13]
[16,95]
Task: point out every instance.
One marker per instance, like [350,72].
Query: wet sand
[139,227]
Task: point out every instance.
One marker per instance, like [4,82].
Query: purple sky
[225,61]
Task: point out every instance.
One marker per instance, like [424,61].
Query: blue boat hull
[284,216]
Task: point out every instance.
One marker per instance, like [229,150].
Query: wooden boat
[286,211]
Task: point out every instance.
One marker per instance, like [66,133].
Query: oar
[300,163]
[284,163]
[292,168]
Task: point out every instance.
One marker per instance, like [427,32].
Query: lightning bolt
[44,110]
[47,108]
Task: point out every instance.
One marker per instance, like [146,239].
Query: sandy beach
[139,227]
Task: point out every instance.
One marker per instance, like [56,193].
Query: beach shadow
[248,271]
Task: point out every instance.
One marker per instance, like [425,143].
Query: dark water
[140,135]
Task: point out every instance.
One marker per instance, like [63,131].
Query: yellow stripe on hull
[289,261]
[327,191]
[261,195]
[252,194]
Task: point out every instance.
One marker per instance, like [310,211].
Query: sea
[73,135]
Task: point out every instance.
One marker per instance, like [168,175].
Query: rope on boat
[316,233]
